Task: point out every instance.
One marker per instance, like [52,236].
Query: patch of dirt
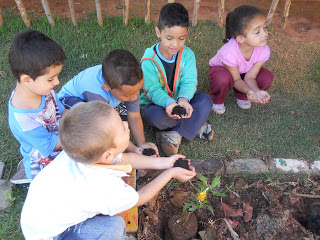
[303,21]
[257,211]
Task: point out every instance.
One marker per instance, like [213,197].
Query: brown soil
[303,22]
[256,211]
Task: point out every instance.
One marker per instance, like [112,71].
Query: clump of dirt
[181,163]
[148,152]
[254,211]
[178,110]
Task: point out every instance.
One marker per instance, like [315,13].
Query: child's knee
[219,77]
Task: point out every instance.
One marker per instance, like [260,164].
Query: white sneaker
[219,108]
[244,104]
[206,132]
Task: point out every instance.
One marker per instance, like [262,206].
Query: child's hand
[182,174]
[188,108]
[263,96]
[147,145]
[169,110]
[253,97]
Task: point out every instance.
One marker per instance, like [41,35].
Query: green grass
[286,127]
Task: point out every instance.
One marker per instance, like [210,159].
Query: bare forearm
[147,192]
[241,86]
[139,161]
[252,83]
[136,127]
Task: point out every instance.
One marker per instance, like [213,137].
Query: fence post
[126,12]
[170,1]
[272,11]
[99,13]
[48,13]
[1,18]
[23,13]
[285,14]
[147,18]
[72,12]
[196,7]
[221,13]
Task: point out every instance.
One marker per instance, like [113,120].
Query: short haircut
[86,131]
[237,21]
[173,14]
[120,67]
[32,52]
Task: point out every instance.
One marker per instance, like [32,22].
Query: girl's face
[256,33]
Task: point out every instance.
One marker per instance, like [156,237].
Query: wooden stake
[48,13]
[23,13]
[196,7]
[147,11]
[99,13]
[126,12]
[272,10]
[1,18]
[72,12]
[170,1]
[221,13]
[285,14]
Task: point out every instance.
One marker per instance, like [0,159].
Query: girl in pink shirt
[239,62]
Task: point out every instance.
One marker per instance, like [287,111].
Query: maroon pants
[221,81]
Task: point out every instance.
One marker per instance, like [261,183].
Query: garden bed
[258,209]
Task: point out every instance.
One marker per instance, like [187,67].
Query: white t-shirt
[66,193]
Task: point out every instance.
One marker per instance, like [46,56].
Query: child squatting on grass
[80,190]
[34,109]
[117,81]
[239,62]
[170,80]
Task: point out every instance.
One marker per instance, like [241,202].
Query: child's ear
[240,39]
[106,158]
[157,31]
[106,87]
[25,79]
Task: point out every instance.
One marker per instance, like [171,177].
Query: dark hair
[237,20]
[31,52]
[120,67]
[173,14]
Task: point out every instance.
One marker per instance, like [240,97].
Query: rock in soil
[182,226]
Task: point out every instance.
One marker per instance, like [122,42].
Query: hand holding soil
[148,152]
[178,110]
[169,109]
[183,163]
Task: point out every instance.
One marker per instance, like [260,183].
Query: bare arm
[238,83]
[139,161]
[147,192]
[136,127]
[58,145]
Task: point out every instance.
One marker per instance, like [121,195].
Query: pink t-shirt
[230,55]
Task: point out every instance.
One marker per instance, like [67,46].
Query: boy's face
[43,84]
[121,133]
[127,93]
[172,40]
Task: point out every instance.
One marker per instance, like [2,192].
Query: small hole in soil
[178,110]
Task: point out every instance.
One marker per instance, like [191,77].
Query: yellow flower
[202,196]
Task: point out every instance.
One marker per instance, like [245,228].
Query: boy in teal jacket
[170,80]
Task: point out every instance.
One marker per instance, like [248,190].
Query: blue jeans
[187,127]
[100,227]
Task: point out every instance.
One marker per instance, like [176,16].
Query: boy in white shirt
[77,195]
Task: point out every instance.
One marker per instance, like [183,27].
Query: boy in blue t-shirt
[118,82]
[170,80]
[34,110]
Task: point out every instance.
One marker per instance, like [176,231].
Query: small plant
[199,200]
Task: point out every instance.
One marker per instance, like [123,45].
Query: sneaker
[244,104]
[20,178]
[20,165]
[168,142]
[219,108]
[206,132]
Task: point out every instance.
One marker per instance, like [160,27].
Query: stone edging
[273,164]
